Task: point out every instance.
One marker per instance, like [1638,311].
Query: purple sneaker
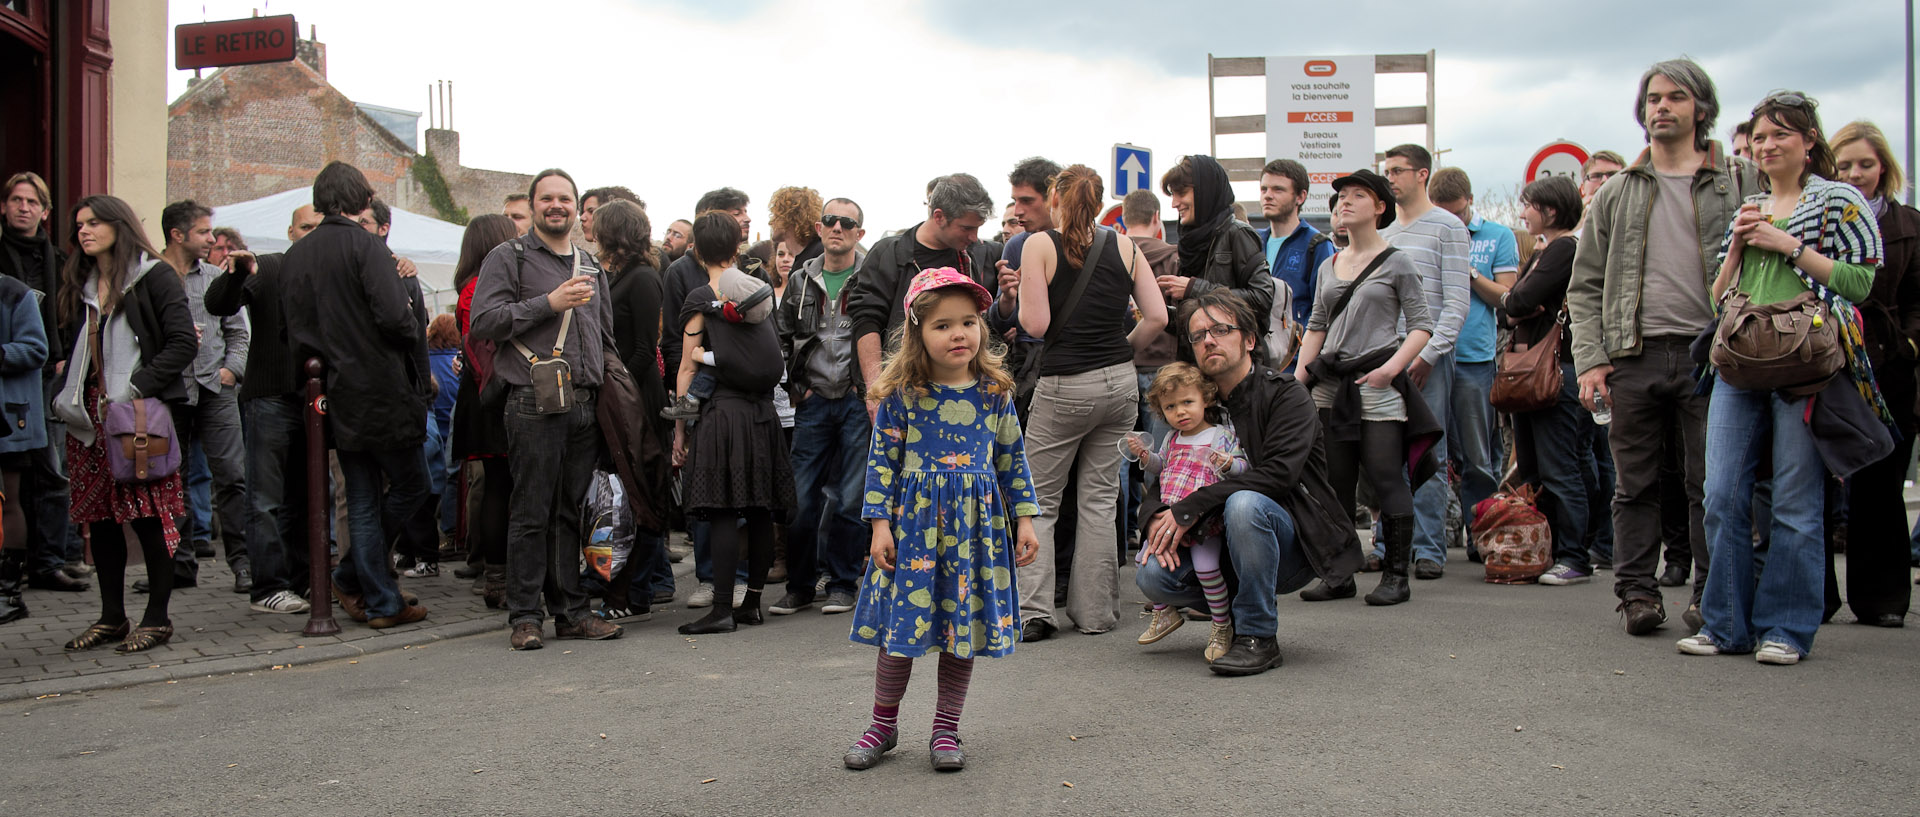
[1564,574]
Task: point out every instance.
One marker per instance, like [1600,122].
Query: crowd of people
[959,441]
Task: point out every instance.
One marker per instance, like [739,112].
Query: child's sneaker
[1697,645]
[1774,652]
[1165,620]
[1220,640]
[684,407]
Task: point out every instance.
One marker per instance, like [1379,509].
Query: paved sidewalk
[216,633]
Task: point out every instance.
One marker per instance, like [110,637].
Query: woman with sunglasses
[1877,558]
[1806,234]
[1354,358]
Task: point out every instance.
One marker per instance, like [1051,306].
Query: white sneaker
[702,596]
[1697,645]
[422,570]
[820,586]
[1774,652]
[282,601]
[739,594]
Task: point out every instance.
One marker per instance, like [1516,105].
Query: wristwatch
[1794,256]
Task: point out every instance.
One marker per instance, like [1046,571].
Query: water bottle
[1602,413]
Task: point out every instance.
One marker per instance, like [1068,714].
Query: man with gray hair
[1637,299]
[950,237]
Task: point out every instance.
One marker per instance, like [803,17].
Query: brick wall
[254,130]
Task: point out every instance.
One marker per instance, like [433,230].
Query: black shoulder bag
[1023,392]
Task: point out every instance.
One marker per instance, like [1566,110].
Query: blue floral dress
[950,470]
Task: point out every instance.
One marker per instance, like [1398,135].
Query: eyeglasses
[1218,330]
[1601,175]
[845,222]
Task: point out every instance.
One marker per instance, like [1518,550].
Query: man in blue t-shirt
[1494,259]
[1295,249]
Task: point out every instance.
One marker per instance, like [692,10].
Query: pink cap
[941,278]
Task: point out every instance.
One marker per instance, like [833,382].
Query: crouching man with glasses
[1284,527]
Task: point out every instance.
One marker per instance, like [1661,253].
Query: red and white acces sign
[1561,158]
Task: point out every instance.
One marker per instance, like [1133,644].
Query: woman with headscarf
[1215,250]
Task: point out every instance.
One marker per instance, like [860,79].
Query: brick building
[254,130]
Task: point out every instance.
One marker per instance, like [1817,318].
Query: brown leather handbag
[1529,378]
[1791,346]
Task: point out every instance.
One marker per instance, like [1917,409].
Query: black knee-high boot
[1398,530]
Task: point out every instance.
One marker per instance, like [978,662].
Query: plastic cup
[1126,451]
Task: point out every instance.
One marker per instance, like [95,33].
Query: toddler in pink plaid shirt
[1192,456]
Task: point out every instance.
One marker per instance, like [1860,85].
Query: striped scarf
[1835,220]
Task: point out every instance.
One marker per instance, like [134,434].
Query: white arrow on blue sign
[1132,169]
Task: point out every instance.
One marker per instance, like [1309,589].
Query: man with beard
[1282,524]
[1295,249]
[27,252]
[209,426]
[679,234]
[542,292]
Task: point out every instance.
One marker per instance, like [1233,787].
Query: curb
[252,663]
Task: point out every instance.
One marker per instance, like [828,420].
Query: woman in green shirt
[1808,233]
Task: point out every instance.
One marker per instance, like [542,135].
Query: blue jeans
[1471,432]
[1262,548]
[1786,603]
[831,436]
[374,518]
[1430,499]
[1559,444]
[277,494]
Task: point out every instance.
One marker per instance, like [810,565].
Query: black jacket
[367,323]
[874,297]
[43,277]
[636,325]
[1892,312]
[1275,419]
[683,276]
[801,316]
[156,309]
[271,368]
[1237,262]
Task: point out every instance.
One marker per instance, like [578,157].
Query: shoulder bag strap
[1341,305]
[1079,288]
[566,318]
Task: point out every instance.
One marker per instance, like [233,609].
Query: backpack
[1283,331]
[1513,537]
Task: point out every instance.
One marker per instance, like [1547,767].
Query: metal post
[320,617]
[1214,149]
[1910,168]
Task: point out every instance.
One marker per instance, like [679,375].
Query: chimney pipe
[449,104]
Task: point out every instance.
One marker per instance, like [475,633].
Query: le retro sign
[234,42]
[1320,113]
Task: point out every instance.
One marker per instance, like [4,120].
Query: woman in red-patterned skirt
[123,314]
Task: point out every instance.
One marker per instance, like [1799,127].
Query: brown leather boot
[495,593]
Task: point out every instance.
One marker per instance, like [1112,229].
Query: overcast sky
[869,99]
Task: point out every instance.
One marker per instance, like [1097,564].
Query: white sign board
[1132,169]
[1320,113]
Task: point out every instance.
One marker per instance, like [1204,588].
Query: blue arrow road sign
[1132,170]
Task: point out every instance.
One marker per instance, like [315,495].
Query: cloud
[868,99]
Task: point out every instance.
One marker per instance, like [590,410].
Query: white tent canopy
[433,245]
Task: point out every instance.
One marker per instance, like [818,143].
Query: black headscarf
[1212,209]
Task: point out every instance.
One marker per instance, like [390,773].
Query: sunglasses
[1785,99]
[844,222]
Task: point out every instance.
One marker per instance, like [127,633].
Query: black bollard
[320,616]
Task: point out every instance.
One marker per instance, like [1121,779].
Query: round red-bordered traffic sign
[1554,158]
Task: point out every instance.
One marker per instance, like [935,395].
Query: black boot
[1398,530]
[13,571]
[1328,591]
[749,610]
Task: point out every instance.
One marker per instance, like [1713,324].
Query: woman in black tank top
[1087,396]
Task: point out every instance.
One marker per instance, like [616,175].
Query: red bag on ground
[1513,536]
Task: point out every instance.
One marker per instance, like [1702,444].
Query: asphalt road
[1472,699]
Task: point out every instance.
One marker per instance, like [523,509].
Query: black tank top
[1094,336]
